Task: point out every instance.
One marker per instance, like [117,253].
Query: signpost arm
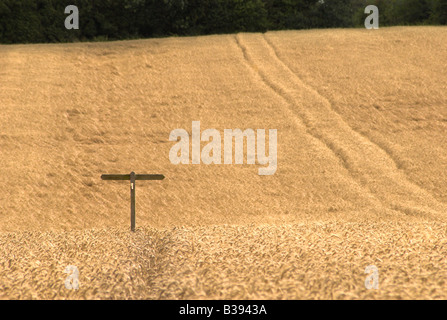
[132,201]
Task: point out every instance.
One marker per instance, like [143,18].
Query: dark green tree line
[32,21]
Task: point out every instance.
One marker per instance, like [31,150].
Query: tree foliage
[31,21]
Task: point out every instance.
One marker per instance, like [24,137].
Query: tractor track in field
[364,160]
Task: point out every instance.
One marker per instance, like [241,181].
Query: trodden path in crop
[370,166]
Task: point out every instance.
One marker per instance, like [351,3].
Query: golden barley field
[361,177]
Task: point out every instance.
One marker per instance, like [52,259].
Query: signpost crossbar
[123,177]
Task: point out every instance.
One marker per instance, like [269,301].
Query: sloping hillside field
[360,180]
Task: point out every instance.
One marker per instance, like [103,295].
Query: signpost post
[132,177]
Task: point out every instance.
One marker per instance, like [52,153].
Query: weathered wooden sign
[132,177]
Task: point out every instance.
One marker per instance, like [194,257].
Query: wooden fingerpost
[132,201]
[132,177]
